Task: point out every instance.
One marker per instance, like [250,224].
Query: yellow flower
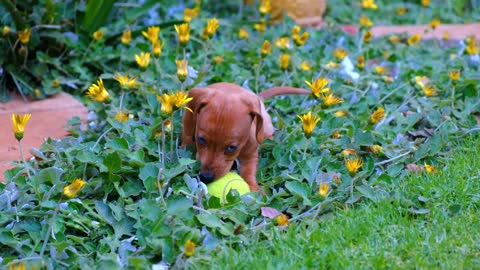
[305,66]
[361,62]
[421,81]
[301,39]
[429,91]
[72,190]
[55,84]
[183,32]
[260,27]
[335,134]
[425,3]
[401,11]
[180,99]
[126,36]
[309,122]
[387,79]
[413,40]
[379,70]
[376,149]
[353,165]
[189,14]
[332,65]
[125,81]
[369,4]
[17,266]
[217,59]
[282,220]
[318,87]
[340,53]
[5,30]
[445,36]
[434,23]
[430,168]
[365,21]
[38,93]
[394,39]
[454,75]
[98,91]
[323,189]
[167,101]
[377,115]
[189,248]
[152,33]
[121,116]
[143,59]
[349,151]
[472,47]
[340,113]
[182,69]
[210,29]
[97,35]
[331,99]
[243,34]
[24,36]
[157,48]
[265,6]
[19,122]
[296,30]
[284,61]
[367,36]
[283,43]
[266,48]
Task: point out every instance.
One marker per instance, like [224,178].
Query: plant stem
[50,226]
[10,7]
[172,131]
[453,97]
[23,159]
[101,136]
[257,75]
[159,175]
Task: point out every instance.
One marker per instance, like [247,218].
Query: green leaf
[113,162]
[179,206]
[96,14]
[300,190]
[362,137]
[212,221]
[50,175]
[119,144]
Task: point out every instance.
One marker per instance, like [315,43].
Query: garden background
[387,177]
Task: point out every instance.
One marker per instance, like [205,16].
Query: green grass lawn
[429,222]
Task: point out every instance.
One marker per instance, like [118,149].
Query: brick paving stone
[48,119]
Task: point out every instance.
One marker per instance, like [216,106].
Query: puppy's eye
[201,141]
[230,149]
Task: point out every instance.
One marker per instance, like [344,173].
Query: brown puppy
[228,123]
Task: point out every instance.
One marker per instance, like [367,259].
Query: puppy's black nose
[206,177]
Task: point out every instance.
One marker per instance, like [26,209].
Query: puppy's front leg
[248,169]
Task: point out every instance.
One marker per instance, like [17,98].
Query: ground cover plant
[120,192]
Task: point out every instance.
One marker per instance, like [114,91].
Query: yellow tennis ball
[220,187]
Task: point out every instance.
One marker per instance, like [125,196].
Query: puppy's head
[223,125]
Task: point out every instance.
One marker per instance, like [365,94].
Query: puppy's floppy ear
[264,126]
[189,119]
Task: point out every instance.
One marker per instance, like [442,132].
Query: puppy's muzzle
[207,177]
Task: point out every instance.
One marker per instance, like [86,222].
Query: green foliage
[142,203]
[427,221]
